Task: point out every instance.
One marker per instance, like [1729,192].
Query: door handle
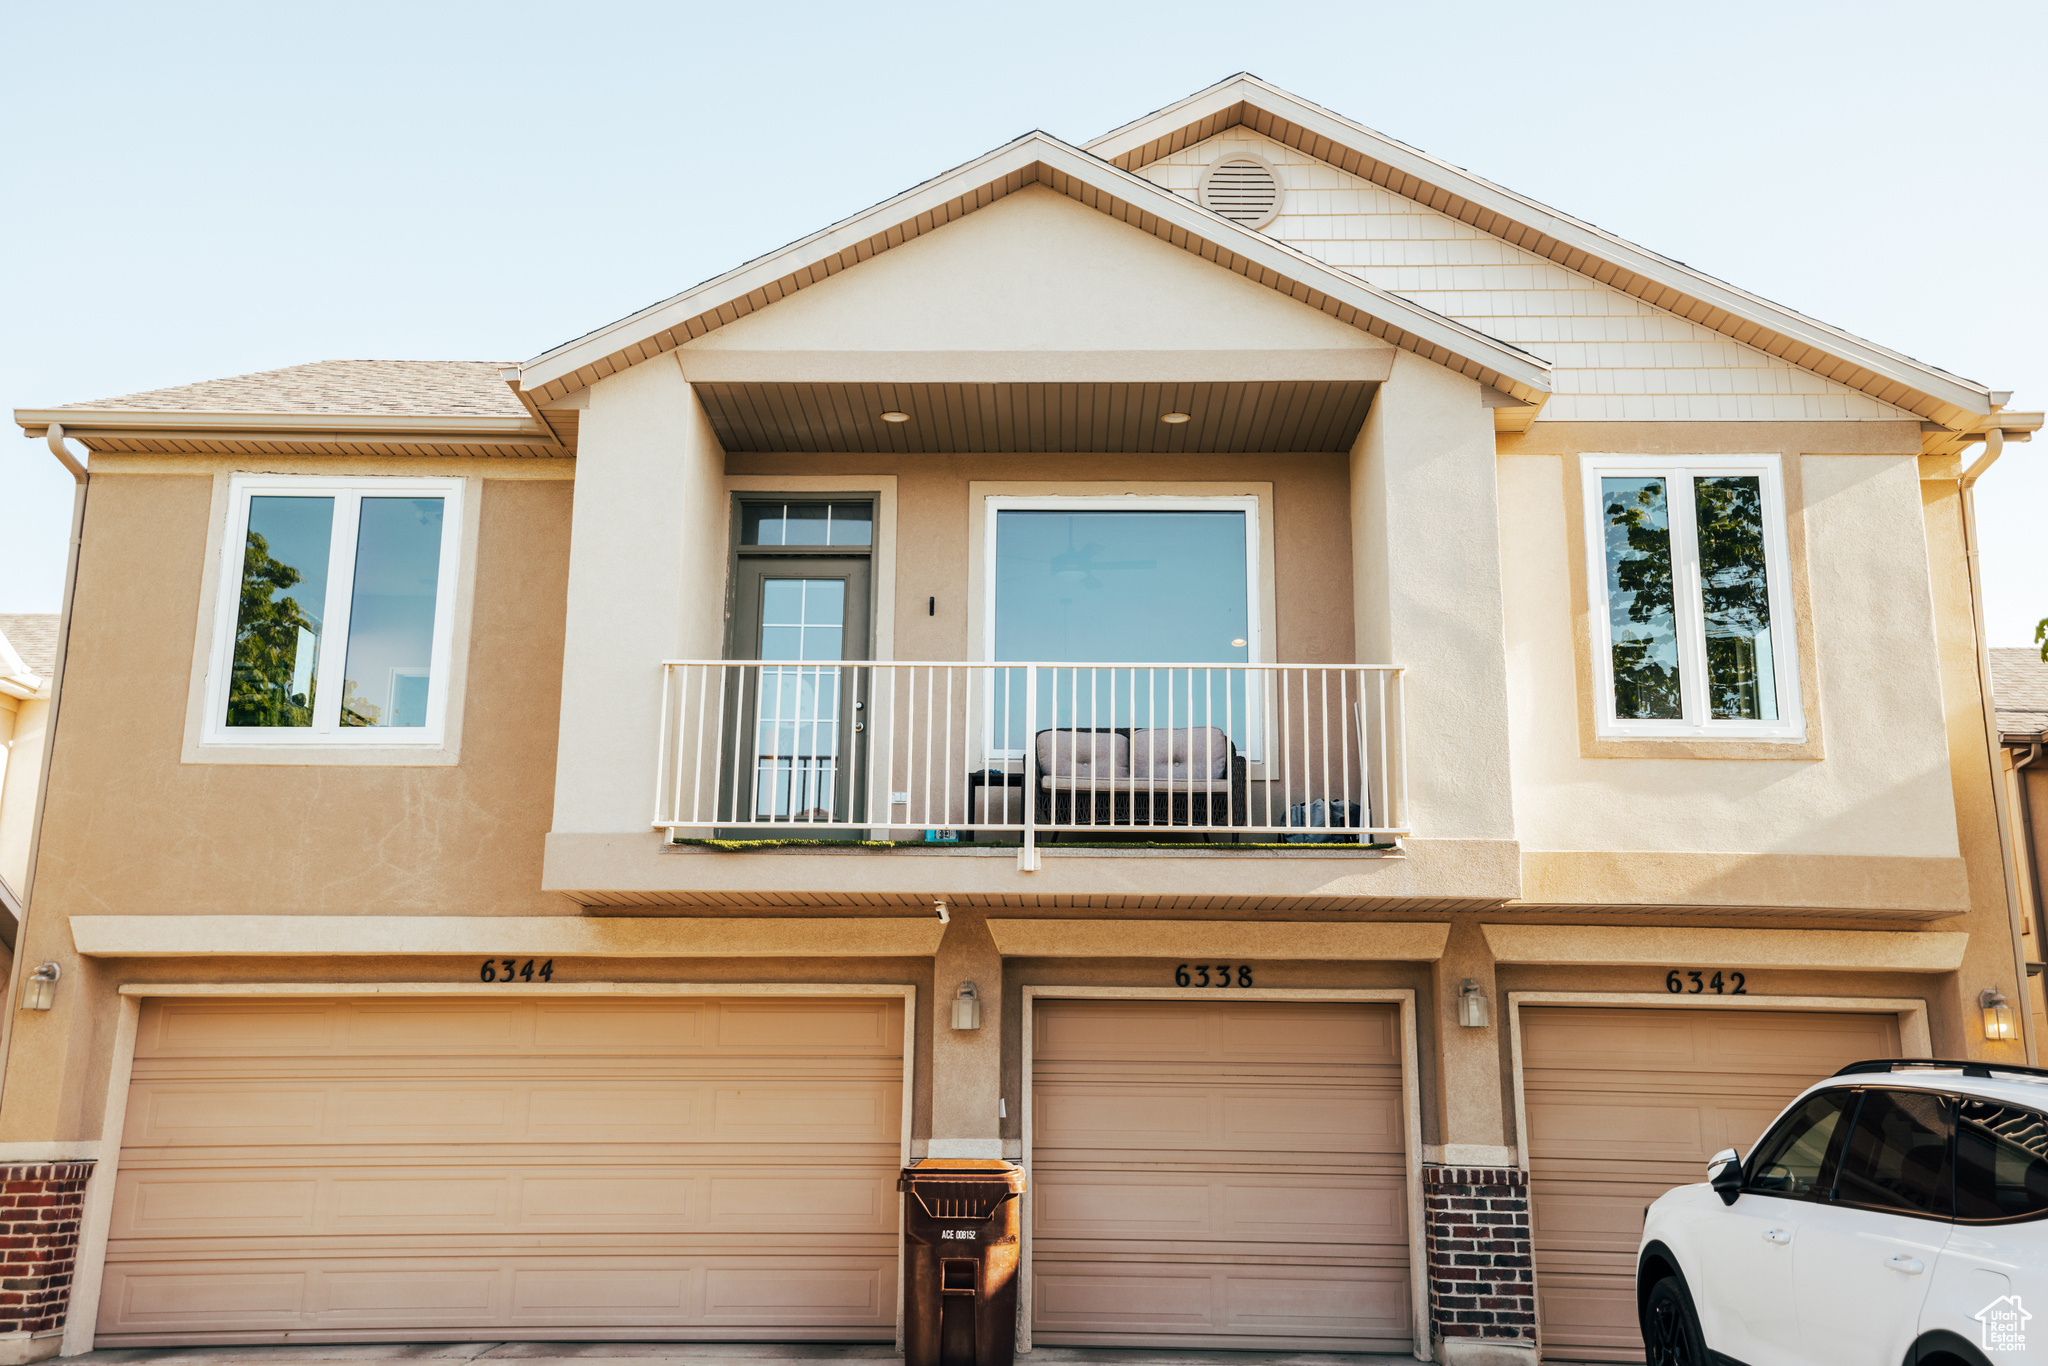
[1912,1266]
[1777,1235]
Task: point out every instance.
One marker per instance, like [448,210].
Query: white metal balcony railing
[762,749]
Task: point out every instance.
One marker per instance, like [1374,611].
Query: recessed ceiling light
[1174,418]
[895,417]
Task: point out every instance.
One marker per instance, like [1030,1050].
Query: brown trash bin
[960,1249]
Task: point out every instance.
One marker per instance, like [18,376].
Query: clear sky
[198,190]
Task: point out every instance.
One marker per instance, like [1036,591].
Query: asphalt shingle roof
[405,388]
[2019,688]
[34,637]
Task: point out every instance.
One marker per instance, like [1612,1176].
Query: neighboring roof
[34,638]
[2019,690]
[1037,158]
[1671,285]
[413,388]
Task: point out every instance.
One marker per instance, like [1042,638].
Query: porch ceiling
[1258,416]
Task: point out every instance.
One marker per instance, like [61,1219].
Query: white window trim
[1678,471]
[347,491]
[1248,504]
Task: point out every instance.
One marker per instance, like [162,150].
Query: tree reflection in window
[1728,511]
[277,640]
[1642,622]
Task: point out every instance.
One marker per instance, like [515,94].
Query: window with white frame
[334,624]
[1139,583]
[1692,627]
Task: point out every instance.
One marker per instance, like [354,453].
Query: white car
[1894,1215]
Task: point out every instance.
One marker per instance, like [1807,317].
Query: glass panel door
[795,755]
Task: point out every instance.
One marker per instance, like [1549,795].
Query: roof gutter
[82,479]
[1994,446]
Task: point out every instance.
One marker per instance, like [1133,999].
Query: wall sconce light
[1471,1006]
[39,992]
[967,1008]
[1999,1024]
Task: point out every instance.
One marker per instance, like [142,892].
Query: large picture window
[1143,582]
[333,625]
[1691,622]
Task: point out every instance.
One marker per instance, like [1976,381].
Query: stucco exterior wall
[1034,271]
[1880,783]
[21,772]
[1425,513]
[131,829]
[645,580]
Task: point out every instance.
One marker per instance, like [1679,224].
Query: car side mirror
[1724,1174]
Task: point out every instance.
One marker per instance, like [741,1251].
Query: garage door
[463,1169]
[1625,1104]
[1219,1175]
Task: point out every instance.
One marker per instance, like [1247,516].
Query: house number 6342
[1695,982]
[1202,975]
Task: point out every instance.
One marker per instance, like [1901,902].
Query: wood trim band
[183,936]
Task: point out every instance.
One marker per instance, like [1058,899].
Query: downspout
[1994,446]
[2027,835]
[54,434]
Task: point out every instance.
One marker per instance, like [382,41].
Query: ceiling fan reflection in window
[1078,564]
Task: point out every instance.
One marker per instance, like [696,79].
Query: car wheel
[1671,1331]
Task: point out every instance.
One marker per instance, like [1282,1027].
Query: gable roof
[1932,393]
[1037,158]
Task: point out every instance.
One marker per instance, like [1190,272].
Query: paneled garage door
[1625,1104]
[1218,1175]
[371,1169]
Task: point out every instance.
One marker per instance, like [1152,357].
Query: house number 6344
[1202,975]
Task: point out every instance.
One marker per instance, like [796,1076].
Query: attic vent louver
[1243,188]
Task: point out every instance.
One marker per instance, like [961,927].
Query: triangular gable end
[1617,356]
[1036,159]
[1036,271]
[1244,101]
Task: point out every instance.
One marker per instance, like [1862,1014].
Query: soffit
[1036,159]
[1269,416]
[1666,284]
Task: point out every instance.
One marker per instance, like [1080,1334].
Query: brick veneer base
[1482,1281]
[40,1207]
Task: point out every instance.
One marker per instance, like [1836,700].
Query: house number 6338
[1202,975]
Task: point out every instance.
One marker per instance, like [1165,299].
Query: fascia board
[1574,232]
[744,279]
[35,421]
[1180,114]
[1024,154]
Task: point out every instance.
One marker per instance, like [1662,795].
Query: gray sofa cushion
[1195,754]
[1082,759]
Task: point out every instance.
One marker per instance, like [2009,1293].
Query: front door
[796,719]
